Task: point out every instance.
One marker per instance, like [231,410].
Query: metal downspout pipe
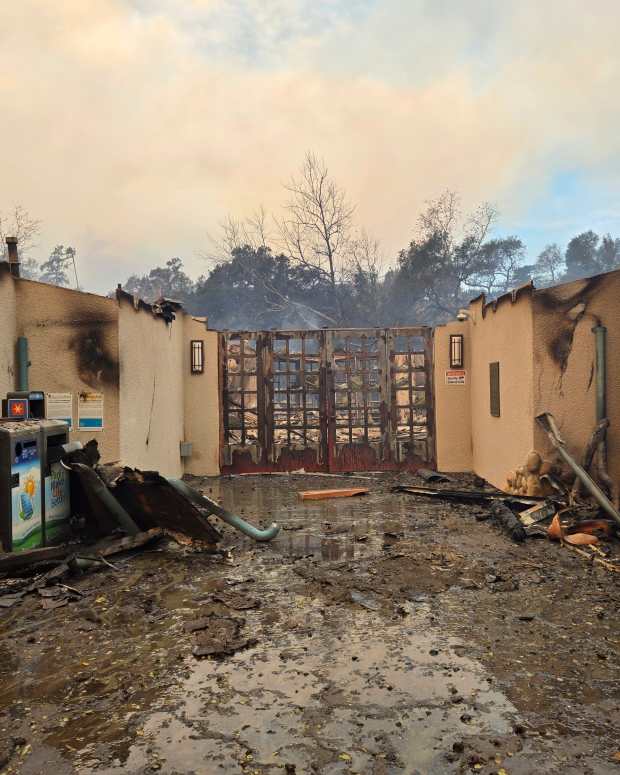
[600,333]
[231,519]
[22,363]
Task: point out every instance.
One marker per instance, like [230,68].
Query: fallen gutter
[231,519]
[547,422]
[476,496]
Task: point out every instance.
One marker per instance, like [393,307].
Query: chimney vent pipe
[11,244]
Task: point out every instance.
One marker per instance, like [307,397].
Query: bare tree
[441,217]
[316,229]
[236,233]
[363,255]
[457,240]
[19,223]
[550,264]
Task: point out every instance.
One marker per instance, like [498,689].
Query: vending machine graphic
[57,503]
[26,520]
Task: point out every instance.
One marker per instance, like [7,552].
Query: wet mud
[381,634]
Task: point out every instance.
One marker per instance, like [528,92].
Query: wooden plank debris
[19,560]
[315,495]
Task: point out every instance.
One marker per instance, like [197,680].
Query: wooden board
[316,495]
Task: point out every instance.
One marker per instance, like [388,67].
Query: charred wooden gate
[327,400]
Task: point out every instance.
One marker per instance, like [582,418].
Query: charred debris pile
[571,502]
[115,510]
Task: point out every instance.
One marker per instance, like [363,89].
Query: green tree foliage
[608,254]
[582,255]
[450,261]
[169,281]
[57,267]
[256,289]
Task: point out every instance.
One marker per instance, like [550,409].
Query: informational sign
[90,411]
[59,406]
[456,376]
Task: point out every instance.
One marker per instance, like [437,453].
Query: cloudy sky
[132,127]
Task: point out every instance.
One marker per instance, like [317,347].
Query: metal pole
[77,284]
[547,422]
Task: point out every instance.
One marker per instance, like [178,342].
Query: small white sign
[456,377]
[90,411]
[59,406]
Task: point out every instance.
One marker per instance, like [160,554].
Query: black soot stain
[95,364]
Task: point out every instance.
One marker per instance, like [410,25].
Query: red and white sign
[18,408]
[456,376]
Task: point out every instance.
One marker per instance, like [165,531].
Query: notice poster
[90,411]
[456,377]
[59,406]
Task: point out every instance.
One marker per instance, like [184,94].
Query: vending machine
[21,517]
[35,495]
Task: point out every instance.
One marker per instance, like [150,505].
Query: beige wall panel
[7,331]
[202,402]
[452,403]
[500,444]
[151,385]
[564,356]
[73,347]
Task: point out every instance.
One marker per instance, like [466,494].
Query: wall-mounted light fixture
[456,351]
[197,356]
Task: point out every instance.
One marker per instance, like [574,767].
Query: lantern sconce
[456,351]
[197,356]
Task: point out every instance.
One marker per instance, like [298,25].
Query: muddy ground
[381,634]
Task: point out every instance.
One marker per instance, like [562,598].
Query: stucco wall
[452,402]
[7,331]
[503,334]
[564,357]
[151,389]
[79,342]
[202,402]
[73,347]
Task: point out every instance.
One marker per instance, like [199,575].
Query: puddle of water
[402,696]
[338,529]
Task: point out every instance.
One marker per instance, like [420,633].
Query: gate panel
[328,400]
[359,397]
[242,397]
[298,419]
[411,390]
